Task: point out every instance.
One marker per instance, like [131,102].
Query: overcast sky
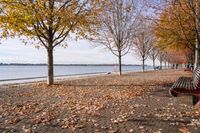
[78,52]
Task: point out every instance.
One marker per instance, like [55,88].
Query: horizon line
[66,64]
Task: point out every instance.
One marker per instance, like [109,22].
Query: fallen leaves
[131,131]
[194,122]
[184,130]
[102,104]
[43,117]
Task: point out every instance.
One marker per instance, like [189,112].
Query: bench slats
[183,83]
[187,84]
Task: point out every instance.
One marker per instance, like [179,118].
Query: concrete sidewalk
[135,102]
[154,112]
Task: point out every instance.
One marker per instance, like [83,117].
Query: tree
[193,10]
[177,29]
[173,57]
[160,58]
[143,41]
[116,29]
[165,57]
[176,26]
[170,34]
[153,54]
[50,22]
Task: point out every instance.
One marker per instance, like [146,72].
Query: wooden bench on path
[188,85]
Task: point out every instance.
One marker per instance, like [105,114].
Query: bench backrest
[196,78]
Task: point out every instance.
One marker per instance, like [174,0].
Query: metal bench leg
[173,93]
[195,99]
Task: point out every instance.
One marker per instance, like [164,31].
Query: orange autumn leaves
[175,30]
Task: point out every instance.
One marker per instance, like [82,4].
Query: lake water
[10,72]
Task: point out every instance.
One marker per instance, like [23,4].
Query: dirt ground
[134,102]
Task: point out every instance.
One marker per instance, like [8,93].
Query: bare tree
[165,57]
[116,30]
[143,41]
[153,54]
[161,57]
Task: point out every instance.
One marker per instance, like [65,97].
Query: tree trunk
[160,63]
[154,64]
[50,78]
[196,63]
[120,63]
[143,64]
[197,45]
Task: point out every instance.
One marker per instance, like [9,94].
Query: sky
[77,52]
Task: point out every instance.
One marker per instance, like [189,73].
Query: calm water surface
[29,71]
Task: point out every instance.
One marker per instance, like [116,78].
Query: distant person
[172,66]
[176,66]
[187,67]
[157,68]
[191,67]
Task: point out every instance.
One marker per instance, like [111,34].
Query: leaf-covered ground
[134,102]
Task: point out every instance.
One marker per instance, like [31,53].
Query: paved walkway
[137,102]
[153,112]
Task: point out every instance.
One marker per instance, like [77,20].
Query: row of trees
[117,24]
[51,22]
[123,28]
[176,28]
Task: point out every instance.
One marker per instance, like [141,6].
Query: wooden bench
[188,85]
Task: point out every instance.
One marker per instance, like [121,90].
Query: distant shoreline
[24,64]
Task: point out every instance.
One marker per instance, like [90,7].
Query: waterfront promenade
[135,102]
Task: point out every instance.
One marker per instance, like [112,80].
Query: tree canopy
[50,22]
[175,30]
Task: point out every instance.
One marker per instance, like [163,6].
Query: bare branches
[117,27]
[144,40]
